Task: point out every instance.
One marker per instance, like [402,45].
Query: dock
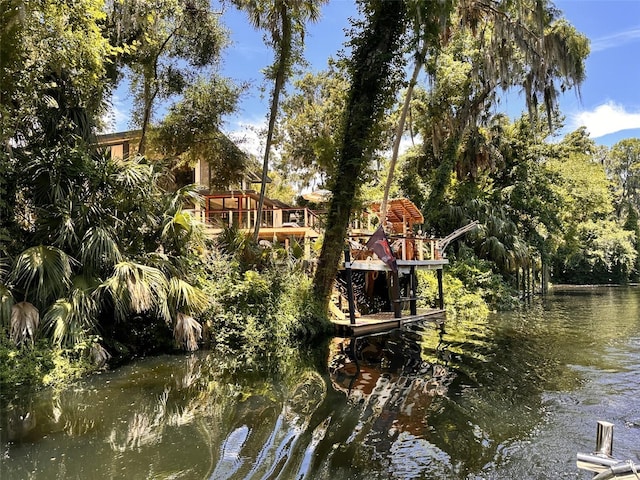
[383,321]
[390,265]
[404,308]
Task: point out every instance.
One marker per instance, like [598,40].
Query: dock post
[352,304]
[395,294]
[604,438]
[440,291]
[413,285]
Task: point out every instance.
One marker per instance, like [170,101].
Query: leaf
[43,272]
[25,319]
[187,331]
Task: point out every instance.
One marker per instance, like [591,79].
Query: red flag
[380,246]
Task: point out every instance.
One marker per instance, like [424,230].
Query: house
[235,206]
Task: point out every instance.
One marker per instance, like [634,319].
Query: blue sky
[609,105]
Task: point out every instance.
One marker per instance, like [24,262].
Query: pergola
[401,213]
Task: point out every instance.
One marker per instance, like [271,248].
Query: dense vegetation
[100,260]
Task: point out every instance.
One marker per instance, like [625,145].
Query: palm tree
[110,244]
[285,21]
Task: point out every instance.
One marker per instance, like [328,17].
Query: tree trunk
[149,97]
[283,59]
[400,130]
[371,65]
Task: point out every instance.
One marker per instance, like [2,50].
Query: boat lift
[602,463]
[443,243]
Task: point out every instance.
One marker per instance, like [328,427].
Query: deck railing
[404,247]
[270,218]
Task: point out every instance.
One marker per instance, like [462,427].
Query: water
[513,396]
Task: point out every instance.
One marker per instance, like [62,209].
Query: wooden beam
[440,289]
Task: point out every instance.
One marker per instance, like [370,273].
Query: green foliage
[102,242]
[312,120]
[458,299]
[190,131]
[623,168]
[53,68]
[41,365]
[478,277]
[260,312]
[600,252]
[166,47]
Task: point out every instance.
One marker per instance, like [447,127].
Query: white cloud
[116,119]
[248,136]
[615,40]
[605,119]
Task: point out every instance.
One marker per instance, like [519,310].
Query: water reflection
[509,396]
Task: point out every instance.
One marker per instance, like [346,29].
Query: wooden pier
[404,308]
[396,259]
[383,321]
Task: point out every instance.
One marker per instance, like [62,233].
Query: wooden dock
[383,321]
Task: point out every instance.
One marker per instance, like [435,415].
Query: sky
[608,104]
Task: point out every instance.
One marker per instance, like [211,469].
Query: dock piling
[352,303]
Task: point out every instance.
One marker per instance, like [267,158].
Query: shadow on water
[510,396]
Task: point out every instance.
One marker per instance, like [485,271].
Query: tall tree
[429,19]
[517,44]
[284,22]
[310,126]
[499,45]
[374,67]
[623,167]
[166,45]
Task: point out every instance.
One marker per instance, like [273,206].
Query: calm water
[512,396]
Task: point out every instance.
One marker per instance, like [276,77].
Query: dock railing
[404,247]
[602,462]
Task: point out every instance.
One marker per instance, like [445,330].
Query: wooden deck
[383,321]
[404,266]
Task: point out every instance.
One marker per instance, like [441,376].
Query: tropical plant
[110,243]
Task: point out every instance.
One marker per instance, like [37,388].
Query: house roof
[117,138]
[107,139]
[399,211]
[269,202]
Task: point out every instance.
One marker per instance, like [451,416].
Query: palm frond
[99,249]
[184,196]
[134,175]
[99,354]
[187,331]
[6,305]
[71,320]
[43,272]
[179,224]
[186,298]
[25,319]
[137,288]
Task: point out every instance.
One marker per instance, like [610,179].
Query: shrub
[257,313]
[458,299]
